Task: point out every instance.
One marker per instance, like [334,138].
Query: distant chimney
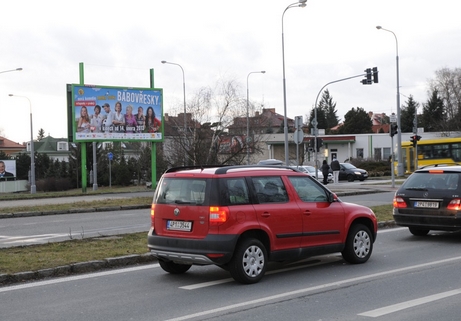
[165,116]
[256,113]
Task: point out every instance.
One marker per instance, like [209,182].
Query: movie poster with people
[112,113]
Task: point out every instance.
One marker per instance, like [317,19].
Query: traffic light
[414,139]
[375,75]
[394,130]
[311,146]
[367,80]
[319,143]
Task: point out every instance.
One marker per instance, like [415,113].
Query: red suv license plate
[427,204]
[179,225]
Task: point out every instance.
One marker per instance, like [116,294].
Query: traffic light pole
[392,161]
[315,122]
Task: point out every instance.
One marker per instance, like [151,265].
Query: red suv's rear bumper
[213,249]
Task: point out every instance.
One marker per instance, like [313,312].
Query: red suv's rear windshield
[181,191]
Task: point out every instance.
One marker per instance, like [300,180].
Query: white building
[343,147]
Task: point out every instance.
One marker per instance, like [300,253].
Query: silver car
[311,171]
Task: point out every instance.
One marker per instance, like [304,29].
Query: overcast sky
[119,41]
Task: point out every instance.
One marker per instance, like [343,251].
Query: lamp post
[33,188]
[399,134]
[184,94]
[17,69]
[302,4]
[248,115]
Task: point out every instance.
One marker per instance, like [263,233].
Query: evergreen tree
[22,166]
[41,134]
[356,121]
[321,119]
[407,115]
[330,112]
[433,118]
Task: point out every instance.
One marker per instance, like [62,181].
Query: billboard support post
[83,145]
[153,156]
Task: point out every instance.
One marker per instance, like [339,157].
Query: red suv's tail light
[455,204]
[152,215]
[218,215]
[399,202]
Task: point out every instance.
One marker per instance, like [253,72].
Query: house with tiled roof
[9,147]
[265,122]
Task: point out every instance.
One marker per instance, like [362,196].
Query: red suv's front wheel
[359,244]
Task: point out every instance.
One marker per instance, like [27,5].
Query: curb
[144,206]
[77,268]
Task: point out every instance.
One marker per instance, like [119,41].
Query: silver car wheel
[253,261]
[362,244]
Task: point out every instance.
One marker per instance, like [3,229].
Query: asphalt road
[407,278]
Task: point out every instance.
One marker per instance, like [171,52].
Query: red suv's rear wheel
[249,262]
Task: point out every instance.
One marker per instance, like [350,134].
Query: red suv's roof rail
[184,168]
[224,170]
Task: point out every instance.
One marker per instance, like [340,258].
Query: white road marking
[409,304]
[315,288]
[325,260]
[77,277]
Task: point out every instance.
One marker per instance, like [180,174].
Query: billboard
[103,113]
[7,169]
[234,145]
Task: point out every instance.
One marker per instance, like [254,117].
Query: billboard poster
[7,169]
[102,113]
[233,145]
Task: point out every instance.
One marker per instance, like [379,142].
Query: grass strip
[79,205]
[43,256]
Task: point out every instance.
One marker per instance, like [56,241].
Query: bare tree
[210,112]
[447,83]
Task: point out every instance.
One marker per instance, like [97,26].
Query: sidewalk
[340,189]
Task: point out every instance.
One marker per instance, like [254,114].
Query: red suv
[242,217]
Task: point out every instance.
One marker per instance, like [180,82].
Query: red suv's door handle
[266,214]
[307,212]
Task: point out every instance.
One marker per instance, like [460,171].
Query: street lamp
[185,118]
[302,4]
[248,116]
[33,188]
[17,69]
[399,134]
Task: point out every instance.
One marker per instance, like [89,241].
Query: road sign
[110,155]
[393,118]
[298,136]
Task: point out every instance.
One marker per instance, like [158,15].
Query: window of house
[386,153]
[359,152]
[63,146]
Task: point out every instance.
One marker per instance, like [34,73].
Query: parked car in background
[350,173]
[311,171]
[242,217]
[430,199]
[271,161]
